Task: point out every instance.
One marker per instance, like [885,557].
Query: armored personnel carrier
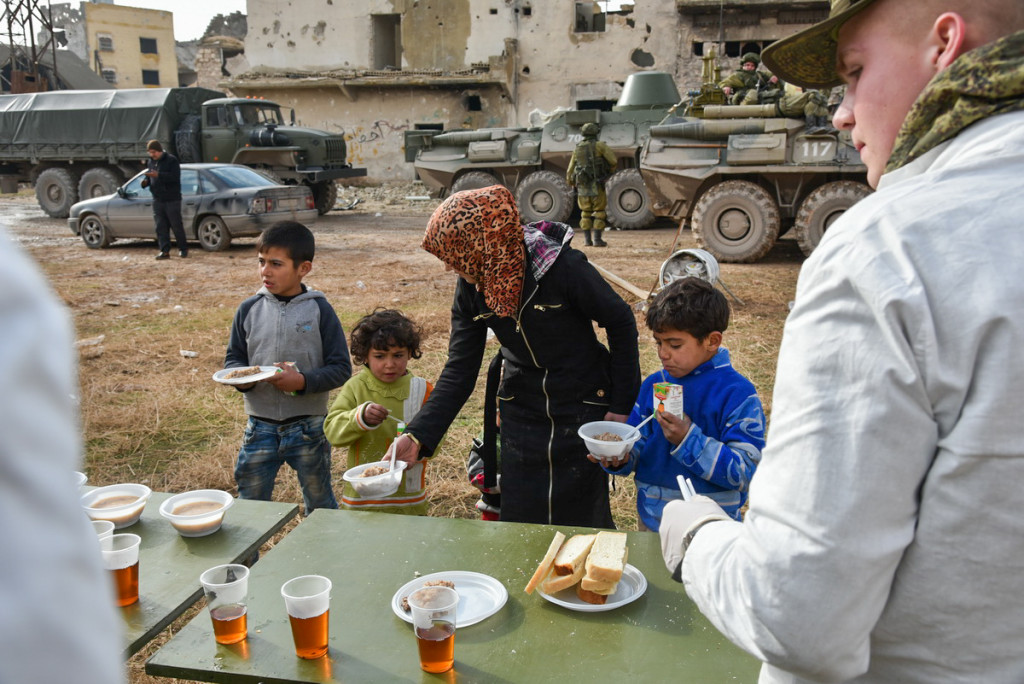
[532,161]
[742,175]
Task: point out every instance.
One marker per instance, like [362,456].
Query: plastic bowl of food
[608,439]
[121,504]
[197,513]
[375,479]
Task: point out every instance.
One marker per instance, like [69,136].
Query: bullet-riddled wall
[377,68]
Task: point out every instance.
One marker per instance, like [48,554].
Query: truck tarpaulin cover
[98,116]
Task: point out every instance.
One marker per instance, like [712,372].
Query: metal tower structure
[21,22]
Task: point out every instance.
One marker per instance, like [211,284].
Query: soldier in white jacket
[57,617]
[884,540]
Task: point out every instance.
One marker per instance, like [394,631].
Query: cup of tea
[226,588]
[103,528]
[433,621]
[308,601]
[121,557]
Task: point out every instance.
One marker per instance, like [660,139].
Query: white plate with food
[631,587]
[244,375]
[480,596]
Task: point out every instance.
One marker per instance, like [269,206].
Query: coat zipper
[547,401]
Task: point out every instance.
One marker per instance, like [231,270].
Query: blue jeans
[302,445]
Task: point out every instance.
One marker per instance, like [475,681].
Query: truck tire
[629,207]
[737,221]
[94,234]
[56,191]
[822,207]
[186,140]
[212,234]
[325,194]
[473,180]
[98,182]
[545,196]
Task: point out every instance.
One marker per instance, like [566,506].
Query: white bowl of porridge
[121,504]
[197,513]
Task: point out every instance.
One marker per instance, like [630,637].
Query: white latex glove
[680,520]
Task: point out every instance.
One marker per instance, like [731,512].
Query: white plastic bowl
[606,450]
[121,504]
[197,513]
[384,484]
[81,478]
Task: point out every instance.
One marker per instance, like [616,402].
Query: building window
[473,103]
[106,43]
[387,41]
[150,77]
[110,75]
[147,46]
[590,18]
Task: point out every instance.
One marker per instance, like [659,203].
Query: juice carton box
[668,396]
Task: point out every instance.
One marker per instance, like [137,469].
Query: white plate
[480,596]
[265,372]
[631,587]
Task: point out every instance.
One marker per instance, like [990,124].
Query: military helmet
[590,129]
[750,57]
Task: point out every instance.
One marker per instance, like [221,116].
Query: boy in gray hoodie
[289,326]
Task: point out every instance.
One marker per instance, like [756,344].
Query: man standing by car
[163,178]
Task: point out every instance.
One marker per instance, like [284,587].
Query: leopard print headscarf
[478,232]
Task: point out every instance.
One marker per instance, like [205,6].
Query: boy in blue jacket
[290,326]
[717,440]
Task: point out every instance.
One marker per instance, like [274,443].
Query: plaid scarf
[984,82]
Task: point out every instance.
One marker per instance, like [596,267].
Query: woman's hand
[406,449]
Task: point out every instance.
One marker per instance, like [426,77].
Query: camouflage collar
[984,82]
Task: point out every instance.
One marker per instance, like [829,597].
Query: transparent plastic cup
[103,528]
[308,601]
[226,588]
[433,621]
[121,557]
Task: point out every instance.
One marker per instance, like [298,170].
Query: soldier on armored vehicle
[591,164]
[746,84]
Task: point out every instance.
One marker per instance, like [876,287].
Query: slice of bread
[573,554]
[597,587]
[590,596]
[607,557]
[555,583]
[545,565]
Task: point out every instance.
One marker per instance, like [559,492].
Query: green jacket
[344,427]
[587,161]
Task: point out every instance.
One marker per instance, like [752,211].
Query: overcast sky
[191,17]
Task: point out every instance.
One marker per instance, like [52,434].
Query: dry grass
[151,415]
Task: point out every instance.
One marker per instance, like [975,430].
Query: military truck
[81,144]
[531,161]
[742,175]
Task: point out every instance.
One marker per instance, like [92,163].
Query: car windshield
[239,177]
[133,188]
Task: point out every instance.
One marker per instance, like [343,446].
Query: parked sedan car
[218,202]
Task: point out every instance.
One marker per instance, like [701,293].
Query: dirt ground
[152,333]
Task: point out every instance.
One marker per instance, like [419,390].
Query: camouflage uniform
[745,84]
[811,105]
[585,172]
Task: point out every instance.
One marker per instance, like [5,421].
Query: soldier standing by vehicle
[163,178]
[591,164]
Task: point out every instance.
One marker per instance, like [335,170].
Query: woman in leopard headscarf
[541,298]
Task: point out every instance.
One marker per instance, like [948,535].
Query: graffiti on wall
[369,142]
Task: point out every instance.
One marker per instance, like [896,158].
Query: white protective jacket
[885,536]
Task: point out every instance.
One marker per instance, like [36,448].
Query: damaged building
[380,67]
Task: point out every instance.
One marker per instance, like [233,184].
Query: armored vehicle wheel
[737,221]
[325,194]
[213,235]
[186,140]
[823,206]
[474,180]
[94,234]
[56,191]
[98,182]
[544,196]
[629,207]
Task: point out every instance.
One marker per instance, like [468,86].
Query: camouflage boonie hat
[808,58]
